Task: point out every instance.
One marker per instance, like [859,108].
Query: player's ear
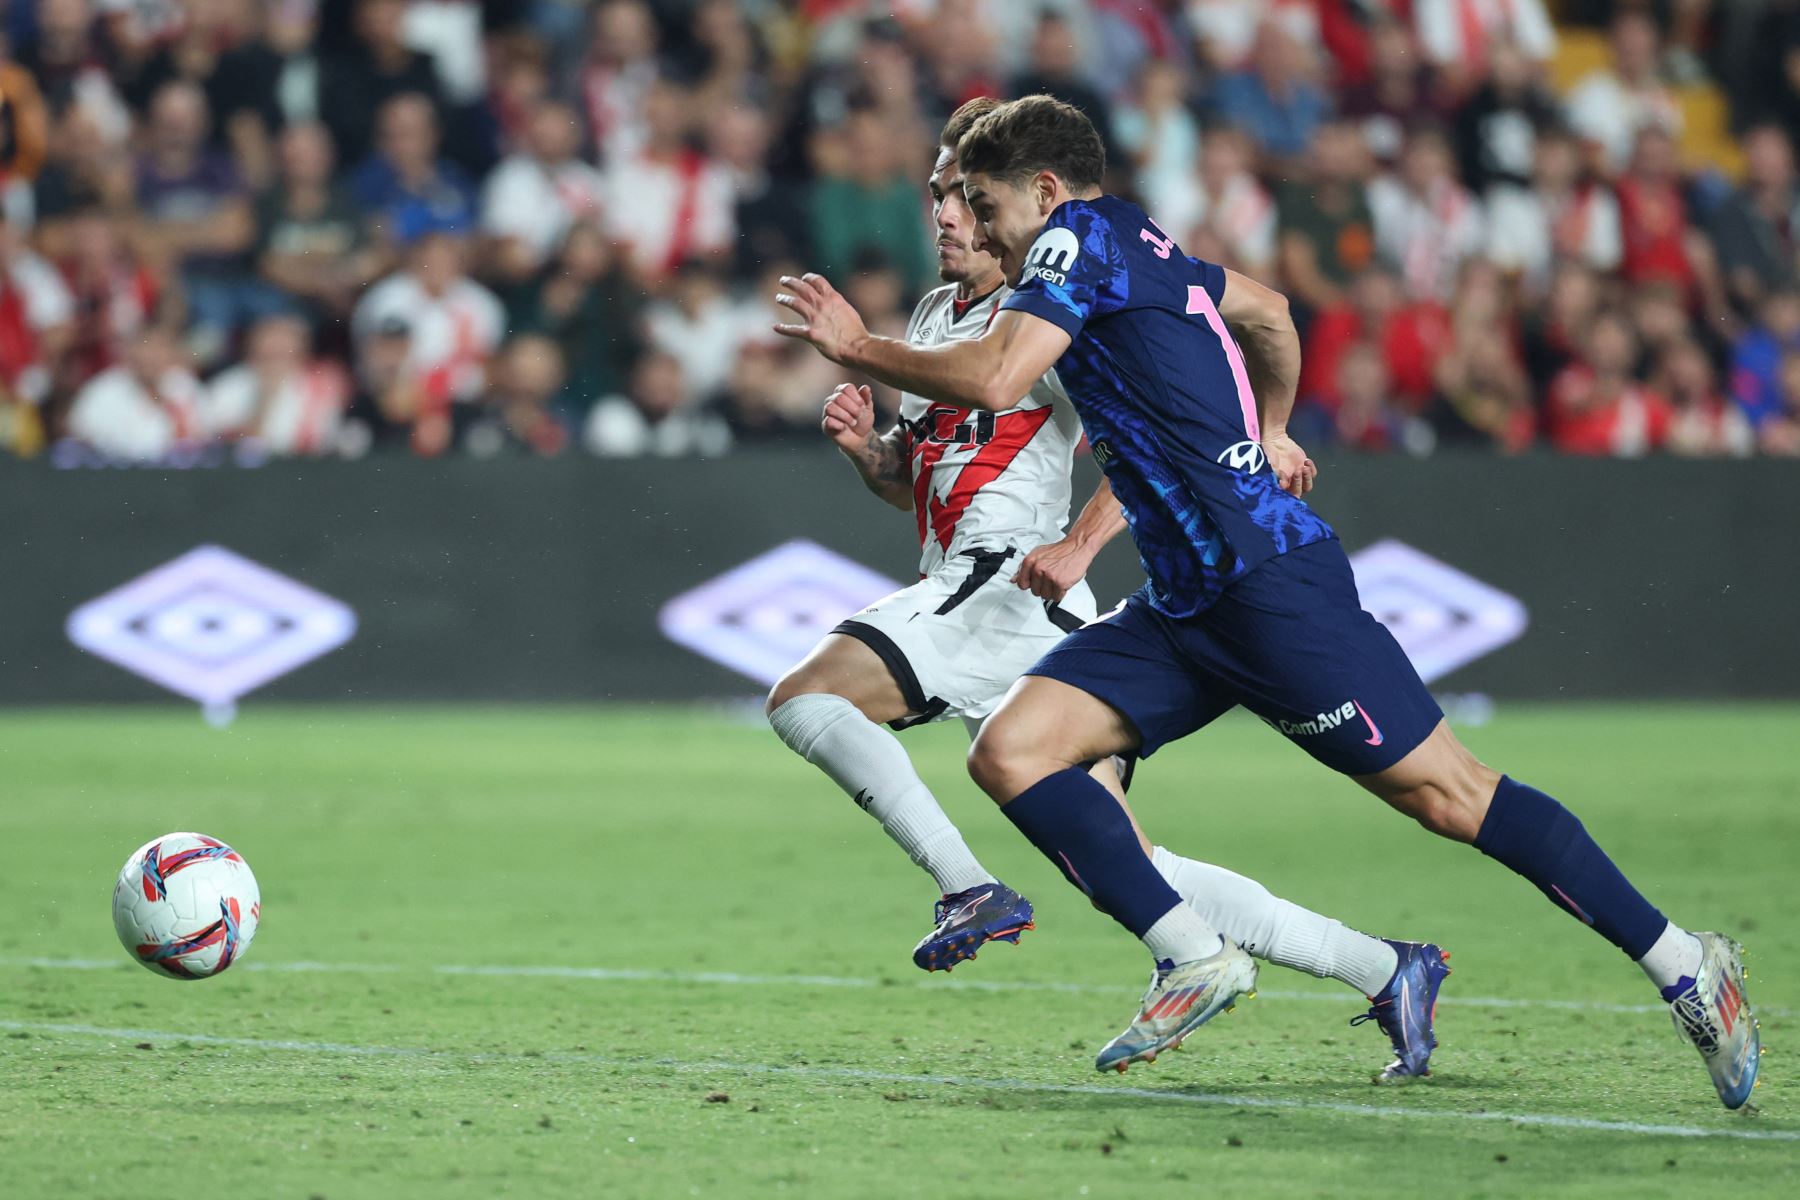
[1044,187]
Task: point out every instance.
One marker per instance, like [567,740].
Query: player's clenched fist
[849,416]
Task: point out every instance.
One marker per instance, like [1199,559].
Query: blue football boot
[967,921]
[1713,1012]
[1406,1009]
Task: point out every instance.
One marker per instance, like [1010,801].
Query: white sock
[871,766]
[1179,935]
[1675,955]
[1275,929]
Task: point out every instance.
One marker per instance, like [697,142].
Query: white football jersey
[985,480]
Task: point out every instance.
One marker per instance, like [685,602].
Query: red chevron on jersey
[925,456]
[1013,433]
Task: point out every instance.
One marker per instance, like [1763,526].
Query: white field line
[736,979]
[1169,1096]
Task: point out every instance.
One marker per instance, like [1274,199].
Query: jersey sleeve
[1212,278]
[1075,271]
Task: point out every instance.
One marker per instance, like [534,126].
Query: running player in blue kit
[1184,374]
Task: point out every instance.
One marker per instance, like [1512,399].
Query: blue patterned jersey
[1165,398]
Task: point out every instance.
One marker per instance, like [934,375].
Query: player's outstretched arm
[880,458]
[991,372]
[1055,567]
[1259,319]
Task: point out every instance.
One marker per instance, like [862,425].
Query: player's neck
[985,284]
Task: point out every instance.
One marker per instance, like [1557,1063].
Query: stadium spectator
[388,411]
[961,59]
[769,210]
[86,166]
[1755,228]
[36,313]
[1327,233]
[24,138]
[1409,333]
[1552,330]
[371,69]
[1225,30]
[268,81]
[114,295]
[1402,92]
[533,198]
[452,323]
[1564,215]
[1497,127]
[1365,419]
[1461,37]
[698,325]
[406,181]
[1780,432]
[1160,138]
[1426,223]
[1596,406]
[1277,100]
[520,411]
[280,398]
[1482,395]
[65,56]
[725,60]
[1657,244]
[194,214]
[668,202]
[1055,70]
[1758,357]
[621,67]
[1231,219]
[583,301]
[652,419]
[1705,422]
[311,241]
[871,202]
[1610,106]
[145,410]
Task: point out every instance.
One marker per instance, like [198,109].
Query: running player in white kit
[1000,583]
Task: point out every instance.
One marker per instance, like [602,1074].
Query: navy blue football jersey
[1165,398]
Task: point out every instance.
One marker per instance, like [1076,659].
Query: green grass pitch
[623,953]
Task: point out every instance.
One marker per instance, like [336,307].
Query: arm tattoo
[883,464]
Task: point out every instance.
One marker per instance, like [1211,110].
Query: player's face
[1007,219]
[957,258]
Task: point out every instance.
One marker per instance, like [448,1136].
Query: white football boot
[1714,1014]
[1181,998]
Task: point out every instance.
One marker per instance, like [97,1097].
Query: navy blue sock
[1543,841]
[1081,828]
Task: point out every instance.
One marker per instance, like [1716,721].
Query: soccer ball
[186,906]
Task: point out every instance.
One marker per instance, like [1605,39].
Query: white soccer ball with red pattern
[186,906]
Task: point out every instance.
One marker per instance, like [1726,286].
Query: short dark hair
[964,118]
[1031,134]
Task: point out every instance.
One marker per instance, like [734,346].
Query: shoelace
[1379,1013]
[1692,1017]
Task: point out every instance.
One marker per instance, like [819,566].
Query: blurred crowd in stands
[338,227]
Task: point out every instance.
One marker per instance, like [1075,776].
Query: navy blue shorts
[1289,641]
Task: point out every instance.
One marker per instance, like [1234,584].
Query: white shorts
[957,639]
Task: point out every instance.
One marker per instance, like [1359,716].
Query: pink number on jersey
[1200,302]
[1162,245]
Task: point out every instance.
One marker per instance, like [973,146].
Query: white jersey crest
[987,480]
